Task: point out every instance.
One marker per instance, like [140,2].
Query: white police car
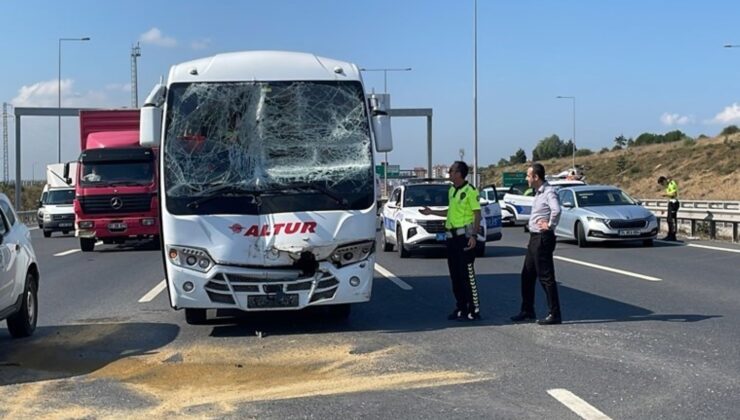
[404,228]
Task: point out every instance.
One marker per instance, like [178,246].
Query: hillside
[705,170]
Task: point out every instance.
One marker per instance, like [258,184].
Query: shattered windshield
[226,141]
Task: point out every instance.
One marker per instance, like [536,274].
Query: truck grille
[126,203]
[433,226]
[627,224]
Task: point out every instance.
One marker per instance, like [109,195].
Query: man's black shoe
[550,320]
[524,316]
[470,316]
[455,315]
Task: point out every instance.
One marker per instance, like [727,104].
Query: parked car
[491,191]
[520,204]
[19,273]
[407,230]
[600,213]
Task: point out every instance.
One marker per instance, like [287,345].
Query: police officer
[671,192]
[462,224]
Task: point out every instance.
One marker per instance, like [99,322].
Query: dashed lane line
[612,270]
[392,277]
[73,251]
[65,253]
[154,292]
[577,405]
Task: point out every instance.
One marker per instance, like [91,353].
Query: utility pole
[6,169]
[135,53]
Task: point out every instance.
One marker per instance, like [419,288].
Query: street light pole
[475,95]
[59,95]
[385,90]
[574,126]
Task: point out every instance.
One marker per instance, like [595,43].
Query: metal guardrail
[716,219]
[28,217]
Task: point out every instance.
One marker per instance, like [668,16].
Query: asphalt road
[658,338]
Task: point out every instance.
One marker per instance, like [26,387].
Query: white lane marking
[64,253]
[613,270]
[716,248]
[583,409]
[392,277]
[72,251]
[154,292]
[33,228]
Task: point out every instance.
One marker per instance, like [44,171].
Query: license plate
[441,237]
[273,301]
[116,226]
[629,233]
[65,225]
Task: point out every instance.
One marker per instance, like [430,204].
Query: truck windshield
[59,197]
[116,173]
[266,138]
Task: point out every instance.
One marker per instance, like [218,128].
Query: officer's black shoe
[550,320]
[455,315]
[470,316]
[524,317]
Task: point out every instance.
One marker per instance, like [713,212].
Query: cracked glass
[266,147]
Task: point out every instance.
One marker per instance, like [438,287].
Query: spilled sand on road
[220,377]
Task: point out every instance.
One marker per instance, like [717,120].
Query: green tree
[620,141]
[584,152]
[730,129]
[519,157]
[548,148]
[502,162]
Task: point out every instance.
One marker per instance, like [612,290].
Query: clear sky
[634,66]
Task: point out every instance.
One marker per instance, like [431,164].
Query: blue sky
[634,66]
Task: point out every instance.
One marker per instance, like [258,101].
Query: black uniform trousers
[538,263]
[672,218]
[462,273]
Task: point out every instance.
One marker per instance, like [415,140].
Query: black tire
[580,236]
[402,251]
[47,234]
[339,312]
[387,246]
[647,242]
[87,244]
[195,316]
[23,323]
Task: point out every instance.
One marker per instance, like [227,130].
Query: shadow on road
[65,351]
[426,307]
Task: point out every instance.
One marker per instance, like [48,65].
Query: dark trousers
[462,273]
[672,218]
[538,263]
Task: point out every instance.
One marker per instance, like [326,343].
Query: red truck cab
[116,188]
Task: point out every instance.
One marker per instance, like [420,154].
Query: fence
[715,219]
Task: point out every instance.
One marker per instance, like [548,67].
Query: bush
[730,129]
[689,142]
[603,150]
[584,152]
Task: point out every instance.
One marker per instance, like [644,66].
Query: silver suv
[19,273]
